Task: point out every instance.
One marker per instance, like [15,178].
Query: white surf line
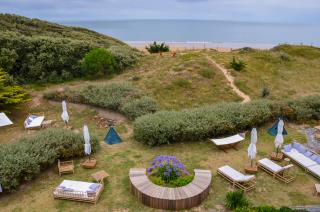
[230,79]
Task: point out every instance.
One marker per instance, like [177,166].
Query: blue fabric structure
[112,137]
[274,130]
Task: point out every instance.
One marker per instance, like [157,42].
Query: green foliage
[265,92]
[227,118]
[125,56]
[10,94]
[99,62]
[236,199]
[183,83]
[38,51]
[121,97]
[25,159]
[157,48]
[237,65]
[207,73]
[308,52]
[139,107]
[182,181]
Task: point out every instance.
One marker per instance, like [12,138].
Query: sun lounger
[308,160]
[33,122]
[228,142]
[243,182]
[279,172]
[78,191]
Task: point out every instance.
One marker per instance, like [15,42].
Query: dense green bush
[266,208]
[32,50]
[121,97]
[99,62]
[25,159]
[124,56]
[237,65]
[157,48]
[236,199]
[226,118]
[139,107]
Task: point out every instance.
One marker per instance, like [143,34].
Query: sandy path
[230,79]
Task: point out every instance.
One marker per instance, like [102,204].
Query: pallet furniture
[100,176]
[65,167]
[89,164]
[279,172]
[237,179]
[317,189]
[308,164]
[228,142]
[165,198]
[81,193]
[276,157]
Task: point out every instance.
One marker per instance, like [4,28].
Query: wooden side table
[100,176]
[251,169]
[276,157]
[317,187]
[89,164]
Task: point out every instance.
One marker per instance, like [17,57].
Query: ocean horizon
[207,33]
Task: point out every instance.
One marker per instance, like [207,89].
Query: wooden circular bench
[180,198]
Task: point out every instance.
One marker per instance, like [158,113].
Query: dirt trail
[230,79]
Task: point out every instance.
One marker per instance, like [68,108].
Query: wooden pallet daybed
[180,198]
[78,191]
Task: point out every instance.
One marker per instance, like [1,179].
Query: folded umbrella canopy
[252,149]
[86,137]
[64,115]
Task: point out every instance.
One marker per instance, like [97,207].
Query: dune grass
[286,71]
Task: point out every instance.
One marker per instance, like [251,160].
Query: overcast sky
[303,11]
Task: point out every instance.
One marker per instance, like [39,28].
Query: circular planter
[179,198]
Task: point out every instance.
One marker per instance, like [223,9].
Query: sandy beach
[221,47]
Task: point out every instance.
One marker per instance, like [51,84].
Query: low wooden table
[317,187]
[89,164]
[276,157]
[251,169]
[100,176]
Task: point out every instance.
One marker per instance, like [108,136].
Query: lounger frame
[78,195]
[299,164]
[244,186]
[282,175]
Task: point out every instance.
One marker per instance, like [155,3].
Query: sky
[284,11]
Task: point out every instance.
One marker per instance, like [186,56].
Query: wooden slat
[180,198]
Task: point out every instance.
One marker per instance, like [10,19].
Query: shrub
[183,83]
[182,181]
[265,92]
[25,159]
[285,57]
[124,56]
[99,62]
[10,94]
[237,65]
[236,199]
[226,118]
[207,73]
[121,97]
[170,170]
[157,48]
[139,107]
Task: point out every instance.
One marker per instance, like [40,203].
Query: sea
[206,33]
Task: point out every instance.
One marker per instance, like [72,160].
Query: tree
[99,62]
[10,94]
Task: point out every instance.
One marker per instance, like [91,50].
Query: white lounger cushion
[273,166]
[300,158]
[270,165]
[228,140]
[33,122]
[315,170]
[235,175]
[76,185]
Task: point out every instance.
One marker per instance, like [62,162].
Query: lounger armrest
[287,166]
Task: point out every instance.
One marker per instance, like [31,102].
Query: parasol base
[276,157]
[89,164]
[251,169]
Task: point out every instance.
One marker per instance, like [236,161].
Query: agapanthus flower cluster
[167,167]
